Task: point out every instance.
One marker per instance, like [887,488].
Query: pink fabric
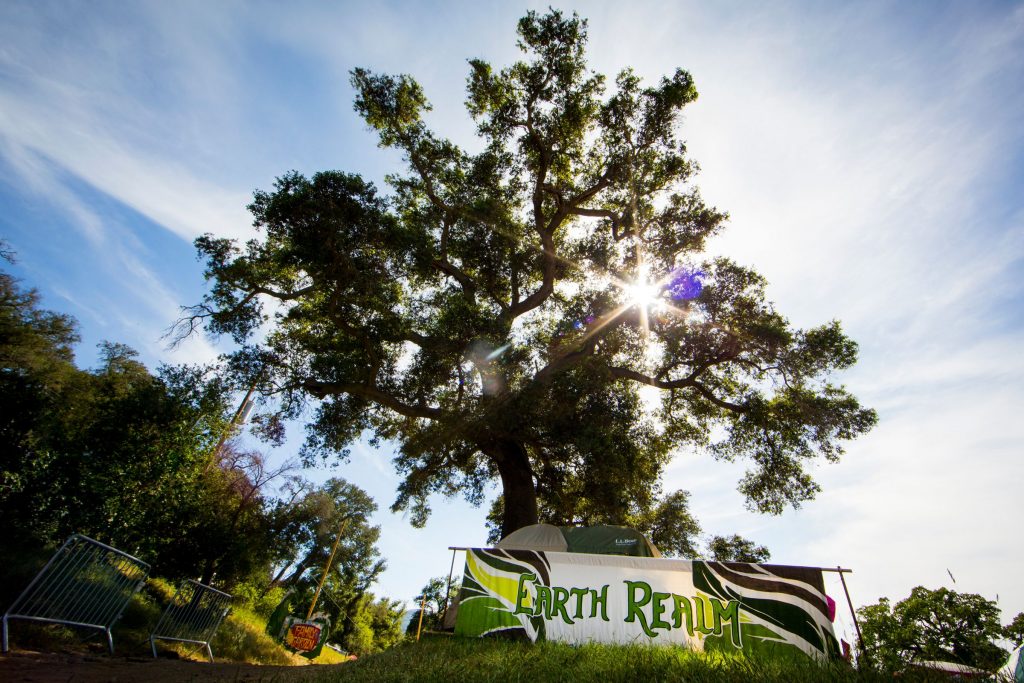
[831,608]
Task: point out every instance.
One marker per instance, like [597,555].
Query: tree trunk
[300,569]
[209,569]
[518,490]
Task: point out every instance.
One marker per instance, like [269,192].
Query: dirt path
[38,667]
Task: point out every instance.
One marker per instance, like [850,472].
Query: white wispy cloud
[144,302]
[84,109]
[66,132]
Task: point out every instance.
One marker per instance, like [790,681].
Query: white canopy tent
[1013,670]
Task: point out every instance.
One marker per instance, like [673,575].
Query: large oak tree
[509,312]
[933,625]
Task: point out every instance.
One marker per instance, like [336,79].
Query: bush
[242,638]
[252,596]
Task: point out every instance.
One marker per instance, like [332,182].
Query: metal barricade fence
[192,616]
[86,583]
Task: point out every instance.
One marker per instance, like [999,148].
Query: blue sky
[870,156]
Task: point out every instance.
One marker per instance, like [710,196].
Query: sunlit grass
[446,659]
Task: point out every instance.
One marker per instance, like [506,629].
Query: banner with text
[578,598]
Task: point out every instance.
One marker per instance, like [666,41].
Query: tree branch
[684,383]
[371,392]
[467,283]
[615,219]
[282,296]
[566,361]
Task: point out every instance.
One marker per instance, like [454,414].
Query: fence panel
[192,616]
[86,583]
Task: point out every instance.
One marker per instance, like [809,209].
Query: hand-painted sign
[303,636]
[576,598]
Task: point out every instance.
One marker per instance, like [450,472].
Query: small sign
[303,636]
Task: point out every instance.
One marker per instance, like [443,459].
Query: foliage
[671,526]
[499,312]
[933,625]
[242,524]
[438,599]
[253,595]
[1014,631]
[443,659]
[35,371]
[136,460]
[376,625]
[124,456]
[736,549]
[116,453]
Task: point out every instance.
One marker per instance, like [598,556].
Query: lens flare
[643,294]
[685,284]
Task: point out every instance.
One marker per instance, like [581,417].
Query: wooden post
[327,568]
[448,590]
[423,608]
[853,613]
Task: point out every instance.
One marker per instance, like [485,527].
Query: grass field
[451,660]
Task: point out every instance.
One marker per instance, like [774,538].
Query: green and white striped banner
[578,598]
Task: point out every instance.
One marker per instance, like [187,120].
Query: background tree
[122,455]
[671,526]
[239,522]
[438,598]
[111,452]
[499,313]
[1014,631]
[933,625]
[36,370]
[312,526]
[735,548]
[133,459]
[376,625]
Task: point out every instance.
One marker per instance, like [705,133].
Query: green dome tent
[604,539]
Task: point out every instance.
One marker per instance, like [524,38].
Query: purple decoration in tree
[685,283]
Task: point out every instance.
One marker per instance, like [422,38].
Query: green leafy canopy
[933,625]
[487,314]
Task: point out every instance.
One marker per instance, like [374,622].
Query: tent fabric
[535,537]
[596,540]
[1013,670]
[608,540]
